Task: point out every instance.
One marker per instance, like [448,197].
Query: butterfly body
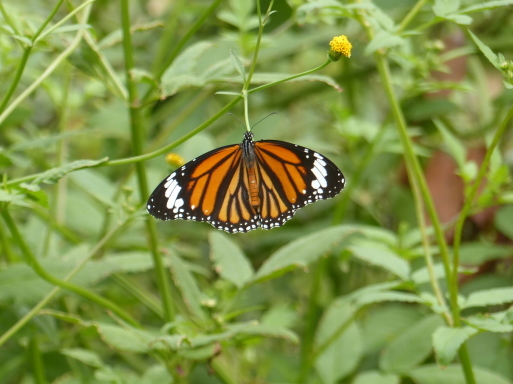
[241,187]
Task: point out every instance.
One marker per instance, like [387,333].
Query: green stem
[176,143]
[409,17]
[179,46]
[26,54]
[472,193]
[132,287]
[41,272]
[34,311]
[416,172]
[289,78]
[5,246]
[419,210]
[17,77]
[137,134]
[38,370]
[261,26]
[413,162]
[192,30]
[74,44]
[201,127]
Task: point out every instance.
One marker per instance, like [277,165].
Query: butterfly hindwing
[291,177]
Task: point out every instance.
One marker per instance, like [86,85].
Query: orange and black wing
[290,177]
[211,188]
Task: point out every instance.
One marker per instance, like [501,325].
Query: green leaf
[476,253]
[492,57]
[301,252]
[484,6]
[445,7]
[229,260]
[454,146]
[83,355]
[53,175]
[125,338]
[69,28]
[338,328]
[141,75]
[488,323]
[194,67]
[238,65]
[156,374]
[453,374]
[411,347]
[247,329]
[459,19]
[280,315]
[185,282]
[378,297]
[489,297]
[381,40]
[447,341]
[382,257]
[421,275]
[375,377]
[503,220]
[270,331]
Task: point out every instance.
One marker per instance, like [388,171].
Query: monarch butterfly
[241,187]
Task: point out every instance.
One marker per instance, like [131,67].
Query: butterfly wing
[290,177]
[211,188]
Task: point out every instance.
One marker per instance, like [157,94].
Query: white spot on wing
[173,196]
[320,177]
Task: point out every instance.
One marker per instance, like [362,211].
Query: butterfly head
[248,136]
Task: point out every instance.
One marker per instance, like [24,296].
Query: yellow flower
[339,46]
[174,160]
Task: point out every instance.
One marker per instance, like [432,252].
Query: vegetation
[405,277]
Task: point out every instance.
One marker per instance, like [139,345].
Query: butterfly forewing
[210,188]
[246,186]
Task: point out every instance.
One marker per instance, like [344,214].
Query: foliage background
[92,290]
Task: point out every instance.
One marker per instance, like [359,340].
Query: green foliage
[359,289]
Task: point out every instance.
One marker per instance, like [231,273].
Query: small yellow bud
[339,46]
[174,160]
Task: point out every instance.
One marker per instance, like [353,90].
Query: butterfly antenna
[236,118]
[258,122]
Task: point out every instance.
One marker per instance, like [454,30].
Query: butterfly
[241,187]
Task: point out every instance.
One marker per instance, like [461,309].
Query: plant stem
[417,176]
[179,46]
[26,54]
[261,26]
[137,134]
[472,193]
[289,78]
[409,17]
[34,311]
[41,272]
[37,363]
[4,112]
[176,143]
[132,287]
[416,172]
